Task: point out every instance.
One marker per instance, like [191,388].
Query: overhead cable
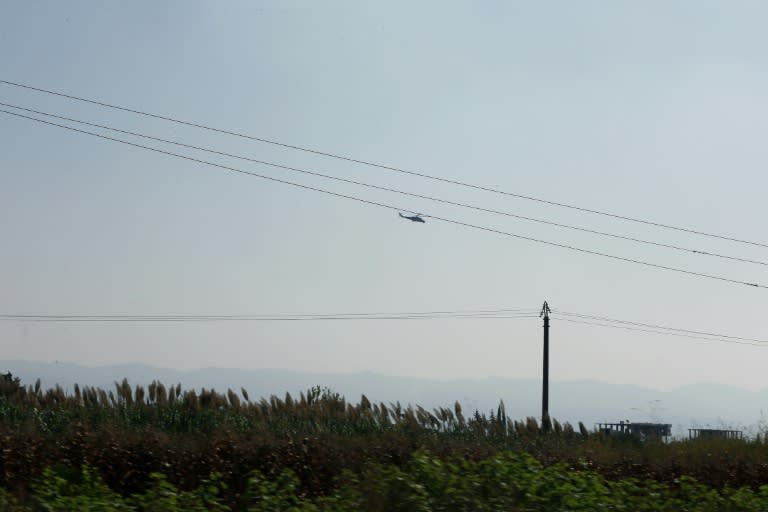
[492,314]
[396,208]
[387,167]
[653,326]
[388,189]
[231,318]
[663,333]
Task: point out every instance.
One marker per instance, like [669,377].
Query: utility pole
[545,374]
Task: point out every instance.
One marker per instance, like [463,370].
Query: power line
[279,319]
[295,315]
[663,333]
[387,167]
[388,189]
[654,326]
[449,312]
[258,318]
[426,314]
[483,314]
[391,207]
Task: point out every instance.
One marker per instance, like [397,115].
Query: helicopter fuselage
[413,218]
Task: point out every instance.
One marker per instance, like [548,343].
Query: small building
[709,433]
[642,431]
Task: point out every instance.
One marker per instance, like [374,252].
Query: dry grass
[127,433]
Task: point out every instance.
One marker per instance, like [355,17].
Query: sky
[655,110]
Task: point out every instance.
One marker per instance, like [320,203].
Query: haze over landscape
[654,111]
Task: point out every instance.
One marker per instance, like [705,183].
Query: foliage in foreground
[506,481]
[320,445]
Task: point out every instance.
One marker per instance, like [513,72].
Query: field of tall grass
[129,440]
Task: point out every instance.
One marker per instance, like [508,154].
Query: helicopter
[413,218]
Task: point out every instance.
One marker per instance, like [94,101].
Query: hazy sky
[648,109]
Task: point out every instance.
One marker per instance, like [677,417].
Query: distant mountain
[699,405]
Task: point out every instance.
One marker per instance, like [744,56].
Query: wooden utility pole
[545,376]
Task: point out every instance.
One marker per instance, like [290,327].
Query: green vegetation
[507,481]
[162,448]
